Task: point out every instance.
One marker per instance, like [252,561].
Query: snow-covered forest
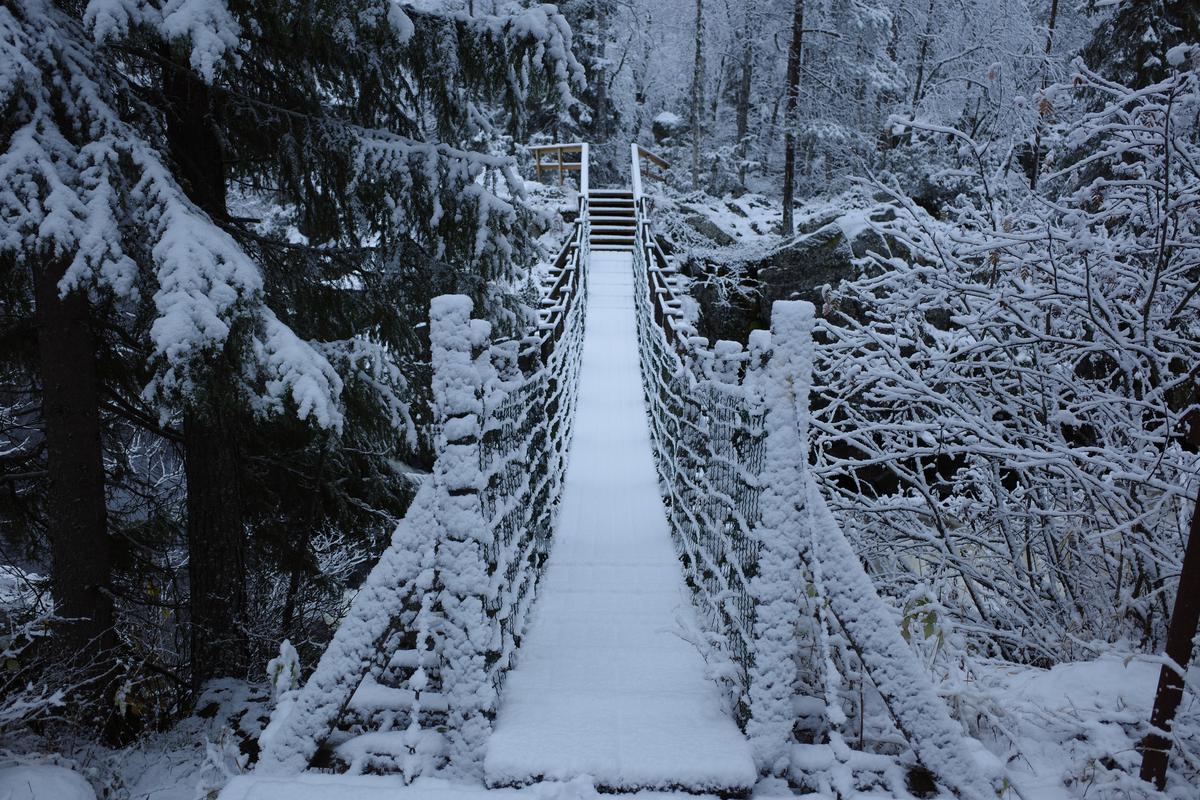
[851,425]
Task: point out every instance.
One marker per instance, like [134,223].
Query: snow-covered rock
[666,125]
[43,782]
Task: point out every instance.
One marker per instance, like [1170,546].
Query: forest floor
[1067,733]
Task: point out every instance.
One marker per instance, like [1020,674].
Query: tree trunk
[216,533]
[1037,136]
[1181,633]
[743,99]
[697,94]
[795,51]
[216,546]
[75,501]
[922,55]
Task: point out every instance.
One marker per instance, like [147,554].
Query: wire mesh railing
[706,424]
[411,678]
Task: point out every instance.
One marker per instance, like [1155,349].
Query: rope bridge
[415,673]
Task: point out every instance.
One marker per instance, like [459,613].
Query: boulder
[821,254]
[709,230]
[799,268]
[666,126]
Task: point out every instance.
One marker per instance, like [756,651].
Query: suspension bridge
[619,569]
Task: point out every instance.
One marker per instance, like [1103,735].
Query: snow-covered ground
[43,782]
[1071,731]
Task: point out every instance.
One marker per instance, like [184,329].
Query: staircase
[612,218]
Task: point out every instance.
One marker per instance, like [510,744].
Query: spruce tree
[351,124]
[1130,46]
[262,196]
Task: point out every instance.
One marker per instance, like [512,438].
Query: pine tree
[1130,46]
[352,121]
[262,197]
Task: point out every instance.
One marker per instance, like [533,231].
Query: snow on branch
[77,191]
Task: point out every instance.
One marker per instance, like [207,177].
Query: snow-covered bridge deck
[604,685]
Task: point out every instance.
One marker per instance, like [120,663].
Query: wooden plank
[657,159]
[566,148]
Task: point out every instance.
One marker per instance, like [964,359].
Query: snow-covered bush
[1002,418]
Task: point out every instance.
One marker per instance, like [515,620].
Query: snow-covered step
[612,243]
[392,751]
[604,686]
[611,219]
[372,697]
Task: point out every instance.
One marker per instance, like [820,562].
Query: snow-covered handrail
[730,432]
[418,661]
[635,172]
[707,425]
[584,180]
[638,154]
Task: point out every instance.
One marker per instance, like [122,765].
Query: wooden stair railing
[549,158]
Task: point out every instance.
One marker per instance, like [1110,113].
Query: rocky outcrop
[821,254]
[803,266]
[709,229]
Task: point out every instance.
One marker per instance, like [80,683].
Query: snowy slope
[603,687]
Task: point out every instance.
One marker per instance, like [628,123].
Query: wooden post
[560,167]
[1156,747]
[461,369]
[782,531]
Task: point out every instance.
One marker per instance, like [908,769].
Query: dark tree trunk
[1051,23]
[745,84]
[795,51]
[216,532]
[697,119]
[1185,619]
[922,55]
[216,547]
[75,501]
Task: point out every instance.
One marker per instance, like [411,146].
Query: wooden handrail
[539,151]
[652,156]
[637,154]
[635,172]
[566,147]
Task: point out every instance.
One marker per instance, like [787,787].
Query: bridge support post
[461,371]
[782,534]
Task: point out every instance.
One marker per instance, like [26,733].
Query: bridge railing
[410,680]
[771,569]
[709,419]
[549,158]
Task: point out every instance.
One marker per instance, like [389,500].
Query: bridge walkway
[605,685]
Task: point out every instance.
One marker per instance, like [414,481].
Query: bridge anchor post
[461,371]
